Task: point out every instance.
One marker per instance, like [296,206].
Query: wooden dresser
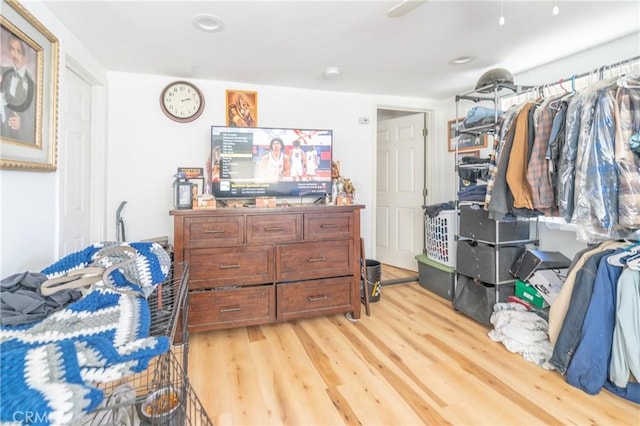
[260,265]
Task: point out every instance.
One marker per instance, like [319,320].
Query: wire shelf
[166,372]
[168,302]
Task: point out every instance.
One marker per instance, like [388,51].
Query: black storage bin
[485,262]
[475,224]
[476,299]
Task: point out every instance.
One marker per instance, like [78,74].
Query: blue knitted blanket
[49,368]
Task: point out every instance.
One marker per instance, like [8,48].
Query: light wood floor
[413,361]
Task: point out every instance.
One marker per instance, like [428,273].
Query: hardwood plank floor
[413,361]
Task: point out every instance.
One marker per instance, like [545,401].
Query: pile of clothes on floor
[81,321]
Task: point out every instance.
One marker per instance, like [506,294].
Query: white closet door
[400,190]
[75,152]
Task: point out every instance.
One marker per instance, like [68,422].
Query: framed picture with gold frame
[242,108]
[29,96]
[464,141]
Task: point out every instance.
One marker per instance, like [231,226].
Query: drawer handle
[317,259]
[317,298]
[329,225]
[236,266]
[224,310]
[215,231]
[273,228]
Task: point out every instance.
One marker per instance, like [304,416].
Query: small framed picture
[184,195]
[198,186]
[242,108]
[464,141]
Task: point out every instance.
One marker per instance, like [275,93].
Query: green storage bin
[436,277]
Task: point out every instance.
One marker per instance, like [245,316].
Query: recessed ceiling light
[331,73]
[461,60]
[208,23]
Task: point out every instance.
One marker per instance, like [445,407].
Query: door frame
[97,202]
[428,163]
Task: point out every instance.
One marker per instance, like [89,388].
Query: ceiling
[291,43]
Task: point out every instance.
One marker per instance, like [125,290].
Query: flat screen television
[249,162]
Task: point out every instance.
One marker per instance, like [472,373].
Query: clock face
[182,101]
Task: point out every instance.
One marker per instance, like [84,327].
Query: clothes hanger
[535,94]
[559,97]
[561,86]
[620,259]
[634,262]
[629,81]
[568,94]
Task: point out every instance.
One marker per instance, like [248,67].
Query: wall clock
[182,101]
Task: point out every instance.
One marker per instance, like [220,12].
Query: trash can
[374,269]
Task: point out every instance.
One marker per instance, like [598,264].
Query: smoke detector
[331,73]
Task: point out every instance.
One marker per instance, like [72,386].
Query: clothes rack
[575,81]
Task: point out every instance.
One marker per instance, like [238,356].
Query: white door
[75,161]
[400,190]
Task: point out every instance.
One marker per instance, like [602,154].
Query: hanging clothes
[560,306]
[568,156]
[625,350]
[596,206]
[538,168]
[574,155]
[589,367]
[556,142]
[498,200]
[518,160]
[627,123]
[570,333]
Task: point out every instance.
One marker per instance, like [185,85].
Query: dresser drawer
[274,228]
[214,231]
[322,297]
[227,266]
[331,226]
[209,310]
[300,261]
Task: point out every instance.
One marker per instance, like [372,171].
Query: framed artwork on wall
[465,141]
[242,108]
[29,91]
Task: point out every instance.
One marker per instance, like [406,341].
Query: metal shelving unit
[495,244]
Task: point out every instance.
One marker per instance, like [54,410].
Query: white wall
[144,147]
[29,200]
